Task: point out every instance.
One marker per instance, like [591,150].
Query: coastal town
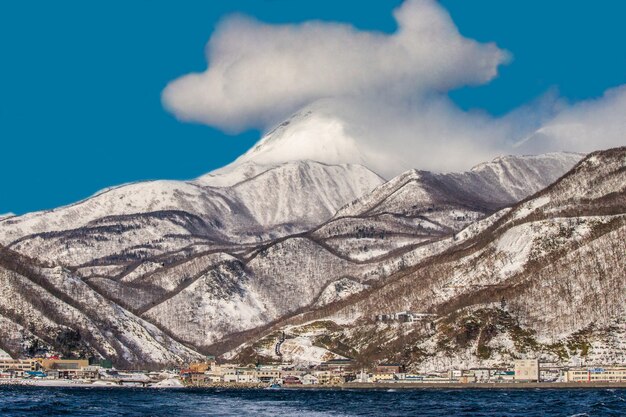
[55,371]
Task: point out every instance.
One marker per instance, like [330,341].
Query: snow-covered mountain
[543,278]
[183,265]
[46,309]
[418,207]
[325,132]
[310,134]
[167,216]
[487,186]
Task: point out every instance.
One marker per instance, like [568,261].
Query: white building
[527,370]
[481,374]
[213,378]
[309,379]
[610,374]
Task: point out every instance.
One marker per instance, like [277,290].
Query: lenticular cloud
[377,99]
[258,74]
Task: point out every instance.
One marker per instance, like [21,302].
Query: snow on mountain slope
[521,176]
[219,302]
[301,351]
[209,297]
[601,177]
[310,134]
[317,268]
[595,186]
[4,355]
[543,278]
[172,215]
[332,133]
[232,174]
[68,316]
[144,197]
[204,297]
[200,260]
[536,232]
[305,191]
[128,236]
[339,290]
[418,207]
[492,185]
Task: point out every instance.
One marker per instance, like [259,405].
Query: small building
[337,380]
[222,369]
[193,378]
[213,378]
[391,368]
[247,375]
[208,364]
[323,377]
[578,375]
[455,374]
[247,379]
[241,375]
[410,378]
[21,365]
[230,378]
[63,364]
[308,379]
[481,374]
[267,373]
[609,374]
[436,379]
[499,375]
[291,372]
[291,380]
[551,373]
[405,317]
[13,373]
[467,379]
[384,317]
[338,365]
[199,367]
[527,370]
[383,377]
[461,376]
[102,363]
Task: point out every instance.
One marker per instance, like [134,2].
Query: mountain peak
[503,181]
[307,135]
[319,133]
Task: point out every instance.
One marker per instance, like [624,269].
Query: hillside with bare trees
[546,277]
[161,272]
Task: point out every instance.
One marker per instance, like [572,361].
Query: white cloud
[259,73]
[584,126]
[377,99]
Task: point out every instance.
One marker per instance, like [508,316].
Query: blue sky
[81,82]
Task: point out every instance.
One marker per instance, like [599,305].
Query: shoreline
[360,386]
[459,386]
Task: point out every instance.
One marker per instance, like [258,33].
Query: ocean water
[131,402]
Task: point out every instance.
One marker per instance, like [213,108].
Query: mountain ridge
[200,263]
[508,290]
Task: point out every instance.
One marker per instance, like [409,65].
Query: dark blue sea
[42,401]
